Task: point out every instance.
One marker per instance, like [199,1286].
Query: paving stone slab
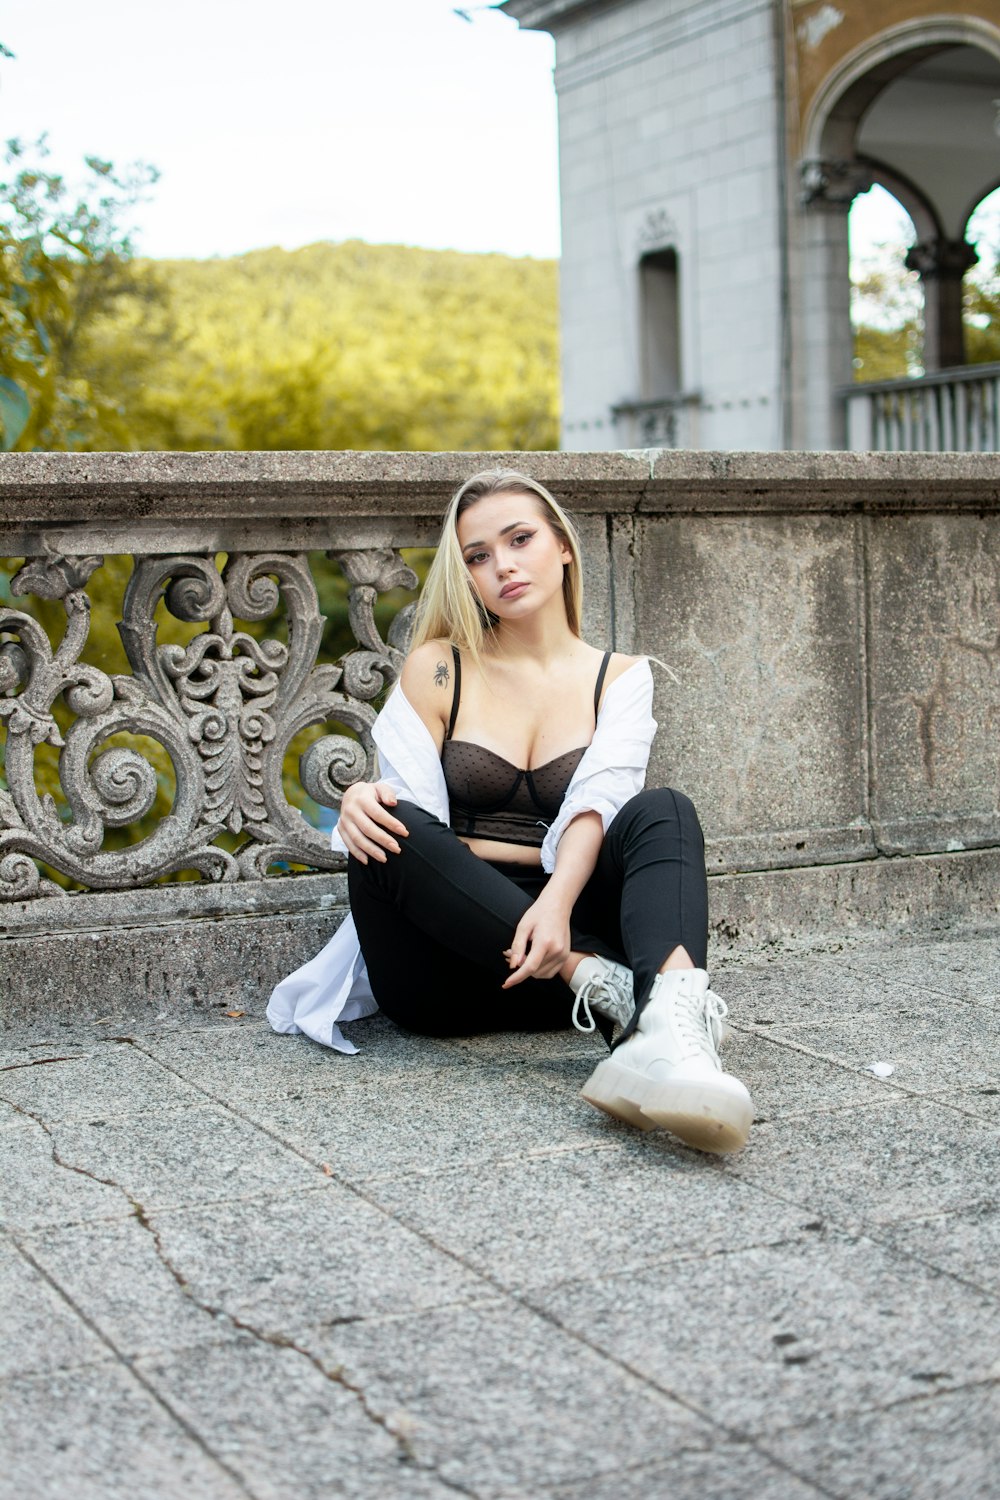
[735,1471]
[94,1433]
[458,1116]
[931,1044]
[537,1049]
[311,1261]
[983,1102]
[112,1079]
[784,1081]
[112,1272]
[41,1332]
[797,991]
[249,1059]
[893,1160]
[290,1431]
[202,1155]
[502,1400]
[968,970]
[964,1242]
[863,981]
[943,1445]
[581,1214]
[37,1191]
[816,1328]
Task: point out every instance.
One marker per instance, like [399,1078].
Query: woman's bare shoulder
[428,679]
[619,664]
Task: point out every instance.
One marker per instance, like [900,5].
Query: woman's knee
[417,821]
[663,805]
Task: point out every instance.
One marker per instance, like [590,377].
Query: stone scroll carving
[225,707]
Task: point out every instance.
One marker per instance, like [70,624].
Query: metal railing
[949,411]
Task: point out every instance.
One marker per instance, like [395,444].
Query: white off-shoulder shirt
[333,987]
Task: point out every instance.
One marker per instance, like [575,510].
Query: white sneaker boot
[602,985]
[668,1073]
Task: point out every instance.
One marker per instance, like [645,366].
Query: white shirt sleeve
[613,768]
[408,760]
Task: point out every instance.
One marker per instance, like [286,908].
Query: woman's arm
[366,825]
[428,680]
[542,941]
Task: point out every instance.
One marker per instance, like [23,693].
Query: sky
[392,121]
[284,122]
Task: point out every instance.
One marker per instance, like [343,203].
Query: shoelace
[700,1021]
[716,1011]
[608,994]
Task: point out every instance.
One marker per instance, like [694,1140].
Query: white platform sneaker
[668,1072]
[601,985]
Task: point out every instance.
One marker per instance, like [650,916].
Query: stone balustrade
[831,623]
[946,411]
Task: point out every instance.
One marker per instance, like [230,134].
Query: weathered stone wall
[833,622]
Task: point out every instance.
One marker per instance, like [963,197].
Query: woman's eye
[475,557]
[522,536]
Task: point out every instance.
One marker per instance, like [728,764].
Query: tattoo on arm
[441,674]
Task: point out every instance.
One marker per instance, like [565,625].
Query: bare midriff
[509,854]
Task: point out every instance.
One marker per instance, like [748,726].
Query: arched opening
[914,111]
[660,325]
[933,126]
[982,285]
[887,302]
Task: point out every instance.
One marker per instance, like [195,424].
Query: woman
[507,867]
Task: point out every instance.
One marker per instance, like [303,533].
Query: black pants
[433,921]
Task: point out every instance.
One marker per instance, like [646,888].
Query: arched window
[887,300]
[982,285]
[660,324]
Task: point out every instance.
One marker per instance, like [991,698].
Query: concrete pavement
[233,1264]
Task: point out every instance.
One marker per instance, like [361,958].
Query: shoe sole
[707,1118]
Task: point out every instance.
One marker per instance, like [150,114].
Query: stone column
[942,265]
[826,341]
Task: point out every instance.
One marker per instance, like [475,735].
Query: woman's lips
[512,590]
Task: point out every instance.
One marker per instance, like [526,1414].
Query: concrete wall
[833,620]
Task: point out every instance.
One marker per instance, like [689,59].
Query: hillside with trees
[330,346]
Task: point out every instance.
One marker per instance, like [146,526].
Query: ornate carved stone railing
[833,620]
[225,708]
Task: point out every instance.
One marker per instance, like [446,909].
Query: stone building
[709,152]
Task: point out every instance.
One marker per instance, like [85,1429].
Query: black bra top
[490,797]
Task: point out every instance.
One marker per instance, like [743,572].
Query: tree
[65,261]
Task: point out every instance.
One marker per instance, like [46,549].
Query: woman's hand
[366,826]
[541,943]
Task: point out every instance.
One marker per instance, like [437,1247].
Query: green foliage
[982,319]
[890,347]
[888,328]
[65,260]
[341,346]
[886,353]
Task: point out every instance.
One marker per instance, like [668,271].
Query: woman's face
[514,557]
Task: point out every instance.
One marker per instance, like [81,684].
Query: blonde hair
[449,608]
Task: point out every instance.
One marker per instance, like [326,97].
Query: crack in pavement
[524,1301]
[400,1430]
[39,1062]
